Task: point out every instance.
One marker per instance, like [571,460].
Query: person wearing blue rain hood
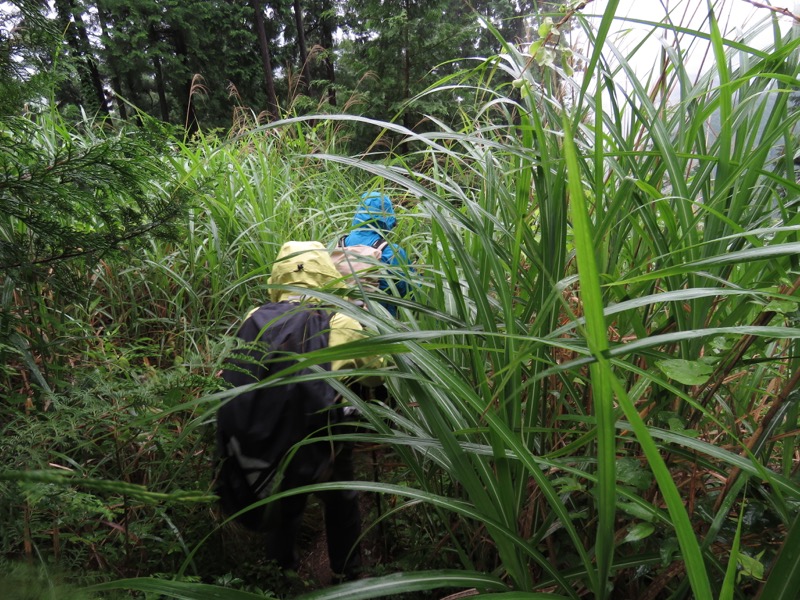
[374,218]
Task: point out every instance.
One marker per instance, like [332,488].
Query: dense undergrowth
[593,392]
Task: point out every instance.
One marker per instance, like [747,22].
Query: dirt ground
[312,543]
[313,549]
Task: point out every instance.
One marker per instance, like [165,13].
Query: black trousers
[342,520]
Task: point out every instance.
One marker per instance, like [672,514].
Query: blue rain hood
[375,212]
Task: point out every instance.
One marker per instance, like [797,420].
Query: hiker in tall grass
[260,431]
[373,220]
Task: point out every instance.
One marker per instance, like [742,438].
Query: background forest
[593,392]
[195,64]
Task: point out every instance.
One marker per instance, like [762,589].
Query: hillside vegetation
[593,392]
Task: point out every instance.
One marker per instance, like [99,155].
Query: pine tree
[187,63]
[78,193]
[28,42]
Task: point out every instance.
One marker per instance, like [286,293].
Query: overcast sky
[734,17]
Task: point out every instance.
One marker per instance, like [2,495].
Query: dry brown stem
[781,11]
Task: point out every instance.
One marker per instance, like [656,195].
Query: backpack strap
[380,244]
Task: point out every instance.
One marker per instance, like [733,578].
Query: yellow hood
[303,264]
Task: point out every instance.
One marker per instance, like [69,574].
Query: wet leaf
[639,532]
[784,307]
[630,471]
[689,372]
[751,567]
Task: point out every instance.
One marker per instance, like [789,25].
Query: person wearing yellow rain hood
[257,427]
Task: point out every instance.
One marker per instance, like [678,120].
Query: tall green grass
[605,324]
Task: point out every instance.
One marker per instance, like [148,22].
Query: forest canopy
[207,65]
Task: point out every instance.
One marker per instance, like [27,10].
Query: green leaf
[545,57]
[396,583]
[689,372]
[403,583]
[132,490]
[638,532]
[784,307]
[182,590]
[565,64]
[602,377]
[751,566]
[546,26]
[667,550]
[568,484]
[687,539]
[728,584]
[520,596]
[676,424]
[630,471]
[636,510]
[722,343]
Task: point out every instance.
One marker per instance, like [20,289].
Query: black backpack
[257,428]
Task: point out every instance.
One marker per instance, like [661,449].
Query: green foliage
[68,193]
[106,438]
[29,40]
[72,198]
[22,582]
[152,52]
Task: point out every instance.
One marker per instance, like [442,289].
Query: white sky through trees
[735,17]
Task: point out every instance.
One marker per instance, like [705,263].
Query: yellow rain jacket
[309,265]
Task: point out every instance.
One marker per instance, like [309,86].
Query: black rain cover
[266,422]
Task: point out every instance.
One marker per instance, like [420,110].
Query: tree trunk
[406,62]
[116,80]
[133,90]
[78,41]
[269,83]
[305,69]
[326,37]
[91,63]
[158,74]
[186,92]
[161,89]
[116,83]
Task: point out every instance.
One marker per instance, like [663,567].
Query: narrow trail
[313,544]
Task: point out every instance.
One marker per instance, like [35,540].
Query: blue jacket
[374,218]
